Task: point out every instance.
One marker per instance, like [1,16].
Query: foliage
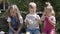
[23,6]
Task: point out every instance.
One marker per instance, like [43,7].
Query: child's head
[32,7]
[10,11]
[13,10]
[49,10]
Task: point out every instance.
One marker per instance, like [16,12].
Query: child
[32,20]
[14,20]
[49,21]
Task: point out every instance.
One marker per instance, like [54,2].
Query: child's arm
[38,19]
[43,16]
[52,21]
[20,25]
[11,27]
[9,23]
[19,28]
[26,21]
[42,19]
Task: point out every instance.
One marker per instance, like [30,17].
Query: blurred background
[23,6]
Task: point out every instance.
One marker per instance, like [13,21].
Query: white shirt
[21,19]
[32,22]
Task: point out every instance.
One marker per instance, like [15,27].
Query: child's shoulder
[52,16]
[20,16]
[28,15]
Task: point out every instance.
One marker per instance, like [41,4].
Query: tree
[23,6]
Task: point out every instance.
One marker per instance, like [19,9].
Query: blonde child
[14,20]
[49,21]
[32,20]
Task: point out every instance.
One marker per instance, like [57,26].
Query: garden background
[23,6]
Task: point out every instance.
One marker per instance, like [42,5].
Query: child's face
[13,12]
[48,12]
[32,9]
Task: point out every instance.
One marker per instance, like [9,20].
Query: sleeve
[54,20]
[26,18]
[9,19]
[21,20]
[38,16]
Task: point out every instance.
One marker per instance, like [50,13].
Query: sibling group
[32,20]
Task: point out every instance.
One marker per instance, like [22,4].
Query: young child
[14,20]
[49,21]
[32,20]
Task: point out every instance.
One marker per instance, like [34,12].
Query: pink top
[47,24]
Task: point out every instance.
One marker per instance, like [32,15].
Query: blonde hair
[49,6]
[52,11]
[48,3]
[14,7]
[32,4]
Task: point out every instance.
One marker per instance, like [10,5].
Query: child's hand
[52,22]
[37,20]
[16,33]
[47,17]
[26,21]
